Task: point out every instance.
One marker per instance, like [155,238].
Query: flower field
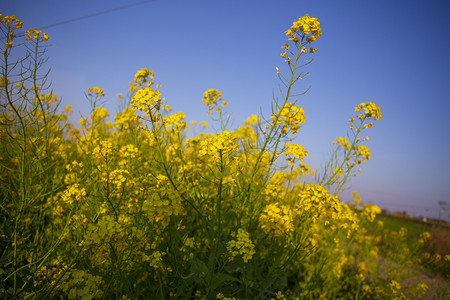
[137,206]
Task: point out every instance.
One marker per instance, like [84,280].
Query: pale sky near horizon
[393,53]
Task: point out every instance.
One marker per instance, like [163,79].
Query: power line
[95,14]
[86,16]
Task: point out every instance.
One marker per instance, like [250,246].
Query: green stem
[352,147]
[277,116]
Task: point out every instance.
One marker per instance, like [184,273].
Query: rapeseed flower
[98,91]
[343,142]
[33,34]
[241,246]
[296,151]
[276,220]
[370,211]
[305,26]
[252,120]
[289,117]
[371,110]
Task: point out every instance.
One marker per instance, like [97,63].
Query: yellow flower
[395,286]
[364,151]
[31,34]
[362,267]
[4,82]
[337,171]
[98,114]
[370,211]
[280,296]
[370,110]
[68,109]
[295,150]
[8,19]
[18,24]
[242,246]
[252,120]
[425,235]
[142,75]
[8,44]
[98,91]
[355,197]
[290,117]
[276,220]
[211,99]
[342,142]
[305,26]
[146,98]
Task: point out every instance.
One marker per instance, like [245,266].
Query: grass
[415,227]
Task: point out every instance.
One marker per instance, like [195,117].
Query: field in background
[438,244]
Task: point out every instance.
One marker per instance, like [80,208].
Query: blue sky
[394,53]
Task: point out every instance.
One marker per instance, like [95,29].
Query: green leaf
[220,279]
[199,267]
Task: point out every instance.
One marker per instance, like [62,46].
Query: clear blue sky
[394,53]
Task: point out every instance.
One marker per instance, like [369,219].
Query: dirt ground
[438,286]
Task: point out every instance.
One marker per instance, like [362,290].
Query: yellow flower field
[136,206]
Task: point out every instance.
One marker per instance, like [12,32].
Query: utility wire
[95,14]
[85,17]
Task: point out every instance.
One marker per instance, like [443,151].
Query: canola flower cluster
[342,142]
[303,31]
[370,110]
[242,246]
[211,99]
[11,23]
[135,206]
[297,151]
[354,151]
[290,117]
[276,221]
[82,285]
[305,25]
